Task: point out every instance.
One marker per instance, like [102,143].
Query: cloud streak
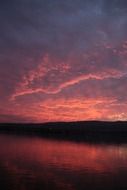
[63,60]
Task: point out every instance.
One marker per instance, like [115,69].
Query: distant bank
[81,130]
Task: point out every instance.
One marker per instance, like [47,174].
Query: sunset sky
[63,60]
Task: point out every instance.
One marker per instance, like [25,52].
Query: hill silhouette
[81,130]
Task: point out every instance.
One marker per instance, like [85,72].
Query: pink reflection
[67,155]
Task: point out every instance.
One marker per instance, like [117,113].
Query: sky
[63,60]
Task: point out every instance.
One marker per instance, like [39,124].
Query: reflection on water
[37,163]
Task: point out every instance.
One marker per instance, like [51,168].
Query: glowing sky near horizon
[63,60]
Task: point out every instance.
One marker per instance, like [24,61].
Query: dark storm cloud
[60,25]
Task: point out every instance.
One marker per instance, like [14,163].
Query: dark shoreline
[91,131]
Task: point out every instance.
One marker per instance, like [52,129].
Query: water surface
[32,163]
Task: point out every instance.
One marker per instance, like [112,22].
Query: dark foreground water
[28,163]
